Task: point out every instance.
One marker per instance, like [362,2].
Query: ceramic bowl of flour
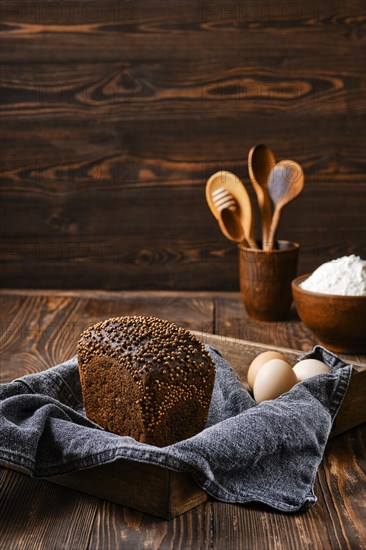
[337,321]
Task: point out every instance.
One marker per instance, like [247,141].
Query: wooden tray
[240,353]
[166,494]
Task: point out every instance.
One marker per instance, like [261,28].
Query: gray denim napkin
[266,453]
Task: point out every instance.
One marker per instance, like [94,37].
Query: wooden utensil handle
[273,229]
[252,243]
[266,215]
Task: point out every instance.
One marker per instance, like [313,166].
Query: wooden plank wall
[114,113]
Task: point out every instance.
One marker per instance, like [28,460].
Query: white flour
[345,276]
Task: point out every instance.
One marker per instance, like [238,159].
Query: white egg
[273,379]
[258,362]
[309,367]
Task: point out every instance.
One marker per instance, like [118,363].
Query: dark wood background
[115,113]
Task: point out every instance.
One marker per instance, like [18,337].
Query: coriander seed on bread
[145,378]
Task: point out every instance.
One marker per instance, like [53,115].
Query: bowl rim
[295,284]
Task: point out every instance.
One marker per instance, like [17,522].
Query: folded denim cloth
[266,453]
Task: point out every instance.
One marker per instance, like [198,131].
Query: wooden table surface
[39,329]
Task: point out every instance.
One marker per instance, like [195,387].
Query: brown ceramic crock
[265,280]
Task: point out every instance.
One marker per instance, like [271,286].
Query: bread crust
[145,378]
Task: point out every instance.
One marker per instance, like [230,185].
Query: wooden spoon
[230,204]
[285,183]
[261,161]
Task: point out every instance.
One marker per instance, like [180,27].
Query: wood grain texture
[35,514]
[67,517]
[41,330]
[49,91]
[114,115]
[236,530]
[341,473]
[133,27]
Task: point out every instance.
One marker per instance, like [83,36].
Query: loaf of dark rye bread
[145,378]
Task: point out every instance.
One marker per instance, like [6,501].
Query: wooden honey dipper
[230,204]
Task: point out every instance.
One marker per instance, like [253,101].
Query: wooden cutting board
[165,493]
